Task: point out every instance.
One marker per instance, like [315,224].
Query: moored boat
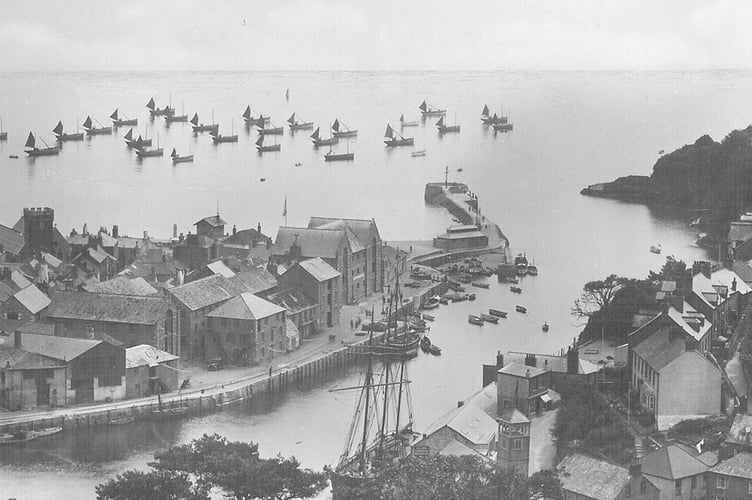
[532,270]
[93,130]
[394,138]
[262,148]
[515,289]
[61,136]
[201,127]
[117,121]
[295,124]
[425,344]
[155,111]
[176,158]
[655,249]
[428,317]
[520,309]
[404,123]
[33,151]
[471,296]
[145,152]
[429,110]
[503,125]
[474,320]
[339,129]
[545,327]
[444,300]
[431,303]
[25,436]
[458,297]
[446,129]
[489,318]
[264,130]
[434,349]
[251,121]
[497,313]
[480,285]
[420,152]
[318,141]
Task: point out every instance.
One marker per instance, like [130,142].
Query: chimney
[154,273]
[530,360]
[258,228]
[174,231]
[693,322]
[146,235]
[635,470]
[181,239]
[733,285]
[573,360]
[702,266]
[17,339]
[85,231]
[499,360]
[460,404]
[115,231]
[234,229]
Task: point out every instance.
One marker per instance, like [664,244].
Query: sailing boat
[332,156]
[251,120]
[265,149]
[395,139]
[154,111]
[3,134]
[404,123]
[429,110]
[263,130]
[172,117]
[318,141]
[342,130]
[502,124]
[200,127]
[176,158]
[446,129]
[92,130]
[120,122]
[296,124]
[144,152]
[379,434]
[33,150]
[138,143]
[398,344]
[218,138]
[61,136]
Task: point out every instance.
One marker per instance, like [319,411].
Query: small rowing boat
[520,309]
[24,436]
[496,312]
[474,320]
[428,317]
[176,158]
[489,318]
[434,349]
[420,152]
[544,327]
[480,285]
[515,289]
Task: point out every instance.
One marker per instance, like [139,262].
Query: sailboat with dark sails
[429,110]
[200,127]
[332,156]
[446,129]
[61,136]
[262,148]
[318,141]
[394,138]
[298,124]
[339,129]
[155,111]
[218,138]
[117,121]
[251,120]
[380,433]
[3,133]
[33,151]
[92,129]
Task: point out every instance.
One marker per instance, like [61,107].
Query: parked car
[215,364]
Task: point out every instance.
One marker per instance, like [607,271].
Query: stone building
[322,284]
[523,387]
[26,304]
[149,371]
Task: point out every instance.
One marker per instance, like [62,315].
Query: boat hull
[123,123]
[449,130]
[497,313]
[206,128]
[489,318]
[348,133]
[503,127]
[270,131]
[70,137]
[3,136]
[219,139]
[139,144]
[325,142]
[301,126]
[42,152]
[175,119]
[399,142]
[182,159]
[267,149]
[339,157]
[151,153]
[433,112]
[256,122]
[475,320]
[99,131]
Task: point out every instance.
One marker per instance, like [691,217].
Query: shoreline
[338,353]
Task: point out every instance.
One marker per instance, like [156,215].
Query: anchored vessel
[33,150]
[121,122]
[261,148]
[251,120]
[176,158]
[61,136]
[200,127]
[404,123]
[446,129]
[92,130]
[339,129]
[318,141]
[264,130]
[429,110]
[155,111]
[296,124]
[394,138]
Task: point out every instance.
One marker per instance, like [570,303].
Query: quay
[322,355]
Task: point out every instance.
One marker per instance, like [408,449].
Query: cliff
[710,175]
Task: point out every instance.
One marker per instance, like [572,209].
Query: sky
[382,35]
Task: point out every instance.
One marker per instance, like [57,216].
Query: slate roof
[11,240]
[215,289]
[659,350]
[514,416]
[474,420]
[33,299]
[6,291]
[312,242]
[553,363]
[292,300]
[18,280]
[363,229]
[107,240]
[672,463]
[681,320]
[739,231]
[62,348]
[740,465]
[214,221]
[521,370]
[122,285]
[246,237]
[457,449]
[257,280]
[743,270]
[11,325]
[78,239]
[319,269]
[18,359]
[127,242]
[592,478]
[246,306]
[107,307]
[146,355]
[219,267]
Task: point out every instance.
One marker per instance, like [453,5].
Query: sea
[571,129]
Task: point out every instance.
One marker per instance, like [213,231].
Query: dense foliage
[456,478]
[214,462]
[585,417]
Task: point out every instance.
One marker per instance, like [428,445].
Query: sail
[150,104]
[129,135]
[30,142]
[58,128]
[389,132]
[194,120]
[315,134]
[87,123]
[495,118]
[214,132]
[422,106]
[335,126]
[174,153]
[291,120]
[485,110]
[247,112]
[260,141]
[402,118]
[440,123]
[139,140]
[114,114]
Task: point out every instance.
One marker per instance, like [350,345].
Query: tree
[153,485]
[236,468]
[671,270]
[545,484]
[597,295]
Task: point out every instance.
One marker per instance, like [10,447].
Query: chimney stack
[530,360]
[499,360]
[635,470]
[174,231]
[573,360]
[733,285]
[234,229]
[85,231]
[115,231]
[258,228]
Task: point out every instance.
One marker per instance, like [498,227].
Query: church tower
[514,442]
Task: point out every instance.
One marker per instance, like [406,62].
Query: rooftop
[671,462]
[33,299]
[551,362]
[214,220]
[246,306]
[208,291]
[660,349]
[11,240]
[146,355]
[62,348]
[740,465]
[122,285]
[291,299]
[316,242]
[591,477]
[365,230]
[319,269]
[19,359]
[107,307]
[462,235]
[11,325]
[521,370]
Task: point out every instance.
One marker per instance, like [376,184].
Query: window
[503,443]
[12,315]
[694,482]
[517,444]
[628,491]
[749,487]
[643,487]
[720,482]
[677,487]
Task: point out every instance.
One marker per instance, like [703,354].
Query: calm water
[571,129]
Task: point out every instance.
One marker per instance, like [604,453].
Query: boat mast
[386,405]
[368,382]
[399,399]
